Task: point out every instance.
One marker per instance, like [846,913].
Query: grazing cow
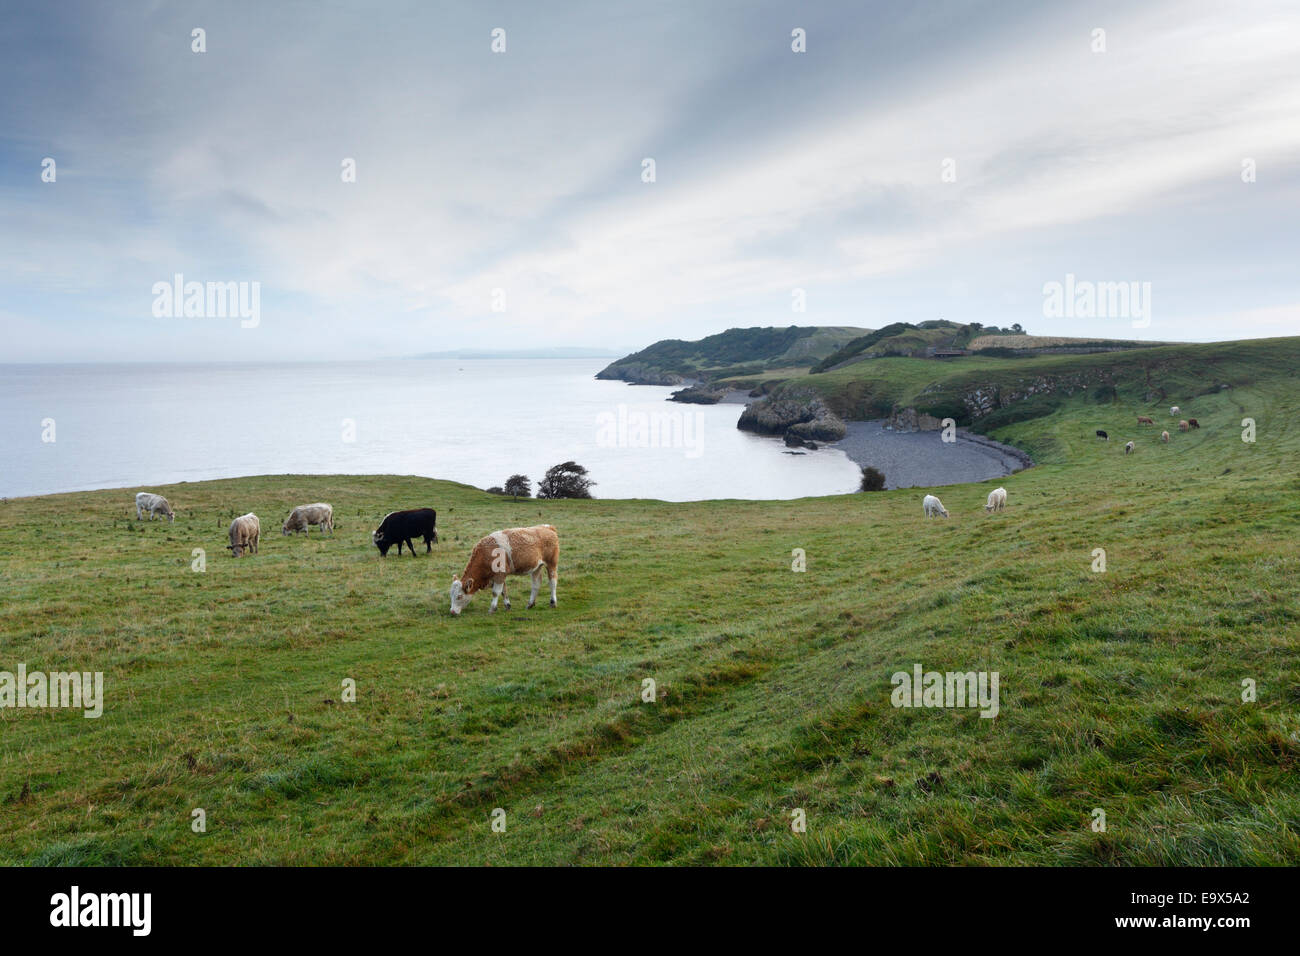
[244,532]
[1143,420]
[933,506]
[1182,426]
[154,504]
[997,500]
[1193,423]
[1102,435]
[512,551]
[1174,410]
[1164,436]
[1128,449]
[403,526]
[304,516]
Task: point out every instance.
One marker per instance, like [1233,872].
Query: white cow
[997,500]
[154,504]
[304,516]
[1174,410]
[244,532]
[933,506]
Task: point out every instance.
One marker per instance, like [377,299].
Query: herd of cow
[502,553]
[1183,426]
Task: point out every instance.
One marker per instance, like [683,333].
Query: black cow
[1102,434]
[399,526]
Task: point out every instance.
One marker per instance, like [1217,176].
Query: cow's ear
[469,584]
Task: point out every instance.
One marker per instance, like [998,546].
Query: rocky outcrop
[698,395]
[910,420]
[794,441]
[980,400]
[639,373]
[802,415]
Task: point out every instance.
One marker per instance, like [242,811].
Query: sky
[915,161]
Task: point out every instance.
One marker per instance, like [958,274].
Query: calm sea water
[478,422]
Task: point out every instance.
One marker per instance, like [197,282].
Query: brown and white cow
[502,553]
[1182,426]
[244,532]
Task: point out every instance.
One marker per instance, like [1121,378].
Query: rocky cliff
[798,414]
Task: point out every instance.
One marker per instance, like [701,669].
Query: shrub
[872,479]
[567,480]
[495,490]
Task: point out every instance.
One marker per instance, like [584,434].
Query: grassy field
[1120,690]
[1141,381]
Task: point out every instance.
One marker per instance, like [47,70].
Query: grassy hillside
[1015,389]
[1008,341]
[733,352]
[1119,690]
[905,340]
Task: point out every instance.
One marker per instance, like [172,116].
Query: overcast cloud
[522,171]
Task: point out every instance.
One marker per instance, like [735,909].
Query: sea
[79,427]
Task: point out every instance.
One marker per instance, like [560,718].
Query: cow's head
[377,538]
[988,507]
[235,549]
[460,594]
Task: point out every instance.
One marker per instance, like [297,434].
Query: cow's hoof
[507,605]
[553,604]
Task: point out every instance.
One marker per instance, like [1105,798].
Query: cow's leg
[497,588]
[137,513]
[399,547]
[553,572]
[410,546]
[504,595]
[536,575]
[428,548]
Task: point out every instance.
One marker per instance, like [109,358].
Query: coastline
[922,459]
[919,459]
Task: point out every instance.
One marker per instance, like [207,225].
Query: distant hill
[903,339]
[559,352]
[733,352]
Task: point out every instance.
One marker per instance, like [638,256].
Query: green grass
[1138,381]
[1119,690]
